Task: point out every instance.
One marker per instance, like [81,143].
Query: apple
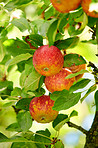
[58,82]
[64,6]
[41,109]
[48,60]
[76,69]
[87,9]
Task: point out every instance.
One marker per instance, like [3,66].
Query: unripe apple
[41,109]
[76,69]
[64,6]
[48,60]
[58,82]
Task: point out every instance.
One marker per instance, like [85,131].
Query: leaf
[91,89]
[16,92]
[14,127]
[49,12]
[36,40]
[23,104]
[67,101]
[23,145]
[20,58]
[24,120]
[3,138]
[21,23]
[96,100]
[43,137]
[59,144]
[73,113]
[2,53]
[16,47]
[80,84]
[51,34]
[76,74]
[15,4]
[55,95]
[60,121]
[63,22]
[67,43]
[70,59]
[32,81]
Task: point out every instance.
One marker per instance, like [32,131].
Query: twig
[70,124]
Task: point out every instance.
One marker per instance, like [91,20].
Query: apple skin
[48,60]
[76,69]
[41,109]
[64,6]
[85,5]
[58,82]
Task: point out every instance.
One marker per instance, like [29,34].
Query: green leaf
[96,100]
[67,43]
[55,95]
[16,92]
[91,89]
[23,145]
[15,4]
[73,113]
[60,121]
[3,138]
[43,137]
[23,104]
[21,23]
[76,74]
[36,40]
[51,34]
[24,120]
[16,47]
[20,58]
[63,22]
[67,101]
[59,144]
[2,52]
[14,127]
[49,12]
[32,81]
[78,85]
[70,59]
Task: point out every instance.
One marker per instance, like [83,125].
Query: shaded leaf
[3,138]
[67,43]
[23,145]
[96,100]
[51,34]
[59,144]
[23,104]
[60,121]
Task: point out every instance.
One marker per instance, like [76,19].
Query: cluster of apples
[64,6]
[49,61]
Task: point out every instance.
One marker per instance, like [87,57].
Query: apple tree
[66,34]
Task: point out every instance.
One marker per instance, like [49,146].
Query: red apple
[41,109]
[58,82]
[48,60]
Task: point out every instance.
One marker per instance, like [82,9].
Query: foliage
[48,27]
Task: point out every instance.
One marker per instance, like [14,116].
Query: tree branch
[70,124]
